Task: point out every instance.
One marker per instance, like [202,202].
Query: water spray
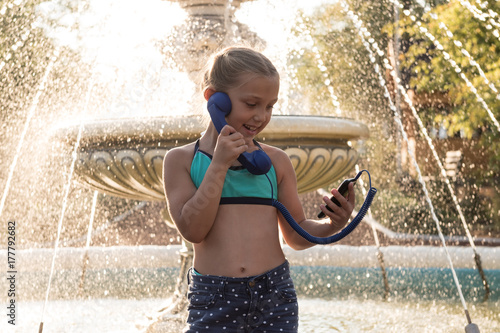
[470,328]
[87,244]
[458,44]
[481,16]
[346,231]
[408,100]
[322,68]
[65,202]
[59,225]
[31,112]
[380,254]
[443,175]
[454,64]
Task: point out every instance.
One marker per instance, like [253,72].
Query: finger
[331,204]
[231,133]
[344,202]
[351,197]
[325,210]
[340,198]
[242,149]
[227,130]
[334,217]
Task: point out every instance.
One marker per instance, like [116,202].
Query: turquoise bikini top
[240,186]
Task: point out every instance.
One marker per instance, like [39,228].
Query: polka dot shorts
[263,303]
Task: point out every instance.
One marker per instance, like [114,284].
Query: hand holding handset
[219,106]
[344,190]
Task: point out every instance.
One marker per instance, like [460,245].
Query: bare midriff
[244,241]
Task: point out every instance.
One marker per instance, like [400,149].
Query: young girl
[240,280]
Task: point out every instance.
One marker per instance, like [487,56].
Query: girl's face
[252,104]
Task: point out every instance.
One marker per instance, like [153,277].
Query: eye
[251,104]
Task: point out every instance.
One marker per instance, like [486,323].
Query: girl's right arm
[194,210]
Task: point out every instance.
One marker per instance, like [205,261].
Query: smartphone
[344,190]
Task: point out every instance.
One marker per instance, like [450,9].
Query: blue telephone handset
[219,106]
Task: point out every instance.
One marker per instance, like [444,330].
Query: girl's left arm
[288,196]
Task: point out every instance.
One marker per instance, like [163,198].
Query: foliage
[349,72]
[474,46]
[20,62]
[337,60]
[25,52]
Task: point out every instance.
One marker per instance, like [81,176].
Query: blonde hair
[225,68]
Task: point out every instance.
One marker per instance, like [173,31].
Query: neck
[209,139]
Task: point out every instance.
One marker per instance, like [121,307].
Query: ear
[208,93]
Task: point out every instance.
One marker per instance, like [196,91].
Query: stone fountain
[124,157]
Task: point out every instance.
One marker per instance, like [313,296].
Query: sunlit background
[67,62]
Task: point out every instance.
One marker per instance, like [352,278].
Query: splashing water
[410,151]
[452,62]
[429,142]
[458,44]
[317,315]
[483,17]
[322,68]
[87,243]
[65,203]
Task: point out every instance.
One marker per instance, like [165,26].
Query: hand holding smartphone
[344,190]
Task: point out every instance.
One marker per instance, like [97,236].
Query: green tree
[347,70]
[474,45]
[334,62]
[21,63]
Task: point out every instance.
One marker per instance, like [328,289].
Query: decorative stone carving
[319,167]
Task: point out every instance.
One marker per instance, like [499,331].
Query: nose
[260,114]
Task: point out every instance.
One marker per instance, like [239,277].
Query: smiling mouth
[250,128]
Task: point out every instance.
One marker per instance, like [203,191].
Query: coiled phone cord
[344,232]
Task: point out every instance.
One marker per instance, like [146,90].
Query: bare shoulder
[281,160]
[276,154]
[179,158]
[179,154]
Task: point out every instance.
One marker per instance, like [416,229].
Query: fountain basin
[124,157]
[338,271]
